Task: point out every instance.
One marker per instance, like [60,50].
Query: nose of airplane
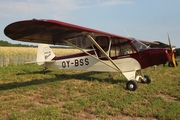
[159,56]
[154,56]
[168,54]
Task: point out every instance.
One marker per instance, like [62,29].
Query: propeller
[172,53]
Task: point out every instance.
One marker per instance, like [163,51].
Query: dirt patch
[130,118]
[167,97]
[88,116]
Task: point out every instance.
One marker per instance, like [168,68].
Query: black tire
[131,85]
[170,64]
[176,63]
[147,79]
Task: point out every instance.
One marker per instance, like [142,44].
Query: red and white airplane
[101,51]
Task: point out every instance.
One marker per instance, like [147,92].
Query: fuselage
[129,62]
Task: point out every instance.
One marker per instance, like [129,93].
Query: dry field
[20,55]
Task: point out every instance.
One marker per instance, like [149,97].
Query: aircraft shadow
[87,76]
[35,72]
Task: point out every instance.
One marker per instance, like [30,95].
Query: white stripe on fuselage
[91,64]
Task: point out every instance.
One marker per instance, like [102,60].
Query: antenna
[126,32]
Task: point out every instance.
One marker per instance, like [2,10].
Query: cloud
[113,2]
[16,6]
[30,7]
[51,5]
[55,9]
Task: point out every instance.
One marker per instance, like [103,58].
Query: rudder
[44,54]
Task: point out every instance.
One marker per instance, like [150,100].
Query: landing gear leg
[132,84]
[142,78]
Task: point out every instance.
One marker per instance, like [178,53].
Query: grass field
[26,93]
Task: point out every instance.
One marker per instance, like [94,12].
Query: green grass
[26,93]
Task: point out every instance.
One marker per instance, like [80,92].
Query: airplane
[100,51]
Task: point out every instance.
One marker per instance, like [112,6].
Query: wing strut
[103,52]
[90,54]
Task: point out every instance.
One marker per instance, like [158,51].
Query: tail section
[44,54]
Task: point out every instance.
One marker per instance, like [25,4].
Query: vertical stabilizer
[44,54]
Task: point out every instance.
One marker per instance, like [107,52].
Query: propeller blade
[172,53]
[173,59]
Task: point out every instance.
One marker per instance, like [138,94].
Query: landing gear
[131,85]
[146,79]
[170,64]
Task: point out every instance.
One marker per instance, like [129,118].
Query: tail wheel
[146,79]
[131,85]
[44,70]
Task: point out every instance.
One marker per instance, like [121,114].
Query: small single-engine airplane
[101,51]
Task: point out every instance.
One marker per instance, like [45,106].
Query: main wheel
[146,80]
[131,85]
[170,64]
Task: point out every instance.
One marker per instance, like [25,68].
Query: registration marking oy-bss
[76,62]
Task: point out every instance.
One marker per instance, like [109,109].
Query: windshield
[139,45]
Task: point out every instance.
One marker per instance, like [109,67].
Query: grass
[26,93]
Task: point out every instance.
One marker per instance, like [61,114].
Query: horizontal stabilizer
[40,62]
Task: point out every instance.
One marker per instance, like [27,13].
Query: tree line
[7,44]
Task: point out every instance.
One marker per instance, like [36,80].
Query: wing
[149,43]
[163,45]
[56,32]
[156,44]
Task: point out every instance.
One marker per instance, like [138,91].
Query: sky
[148,20]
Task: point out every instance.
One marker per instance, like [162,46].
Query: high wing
[61,33]
[56,32]
[148,43]
[157,44]
[162,45]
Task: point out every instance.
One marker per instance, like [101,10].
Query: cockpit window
[139,45]
[122,49]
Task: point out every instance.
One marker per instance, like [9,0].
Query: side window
[103,41]
[121,49]
[126,49]
[114,51]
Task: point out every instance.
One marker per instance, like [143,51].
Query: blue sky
[149,20]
